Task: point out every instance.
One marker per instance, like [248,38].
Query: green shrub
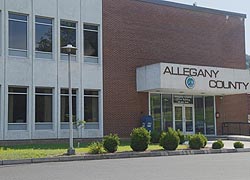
[140,139]
[95,148]
[169,140]
[217,144]
[204,139]
[188,137]
[111,143]
[155,136]
[181,136]
[238,145]
[220,141]
[196,141]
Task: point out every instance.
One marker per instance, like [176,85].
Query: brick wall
[137,34]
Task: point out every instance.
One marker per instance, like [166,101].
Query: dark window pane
[17,90]
[155,108]
[44,20]
[86,92]
[17,108]
[43,108]
[209,113]
[66,91]
[44,90]
[90,43]
[199,114]
[91,110]
[90,27]
[68,36]
[43,38]
[18,35]
[65,108]
[17,16]
[167,111]
[68,24]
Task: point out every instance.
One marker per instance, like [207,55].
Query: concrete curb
[87,157]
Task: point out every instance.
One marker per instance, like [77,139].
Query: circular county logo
[190,82]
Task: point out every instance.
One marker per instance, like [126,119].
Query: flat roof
[193,8]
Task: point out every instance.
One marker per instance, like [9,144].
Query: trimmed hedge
[169,140]
[111,143]
[217,144]
[140,139]
[238,145]
[196,141]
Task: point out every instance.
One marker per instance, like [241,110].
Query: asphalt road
[234,166]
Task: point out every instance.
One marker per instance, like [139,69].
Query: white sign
[189,79]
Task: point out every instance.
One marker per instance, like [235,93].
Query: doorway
[184,118]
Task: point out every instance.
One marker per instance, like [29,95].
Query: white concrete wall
[31,72]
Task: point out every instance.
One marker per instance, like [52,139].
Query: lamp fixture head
[69,48]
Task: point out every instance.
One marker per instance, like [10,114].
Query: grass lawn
[52,150]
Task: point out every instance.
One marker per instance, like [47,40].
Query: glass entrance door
[184,118]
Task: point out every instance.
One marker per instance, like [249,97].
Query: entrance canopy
[189,79]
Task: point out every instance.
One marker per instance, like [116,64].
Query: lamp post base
[71,152]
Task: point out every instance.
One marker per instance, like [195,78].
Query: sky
[239,6]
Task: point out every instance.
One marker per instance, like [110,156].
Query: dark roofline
[193,8]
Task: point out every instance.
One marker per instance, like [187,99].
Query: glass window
[17,105]
[68,34]
[44,104]
[43,35]
[18,34]
[65,105]
[90,40]
[209,115]
[91,106]
[199,114]
[167,111]
[155,108]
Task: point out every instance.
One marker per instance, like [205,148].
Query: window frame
[26,51]
[51,54]
[52,103]
[27,108]
[64,56]
[98,104]
[74,94]
[89,59]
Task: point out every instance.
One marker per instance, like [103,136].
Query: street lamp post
[71,151]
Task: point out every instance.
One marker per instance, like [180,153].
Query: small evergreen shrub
[181,136]
[95,148]
[111,143]
[196,141]
[140,139]
[220,141]
[204,139]
[188,137]
[238,145]
[169,140]
[217,144]
[155,136]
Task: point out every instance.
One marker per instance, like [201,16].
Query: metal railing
[236,128]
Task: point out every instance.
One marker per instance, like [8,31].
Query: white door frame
[184,117]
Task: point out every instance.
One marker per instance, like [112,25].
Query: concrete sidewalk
[228,144]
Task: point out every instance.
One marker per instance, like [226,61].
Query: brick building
[155,34]
[183,65]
